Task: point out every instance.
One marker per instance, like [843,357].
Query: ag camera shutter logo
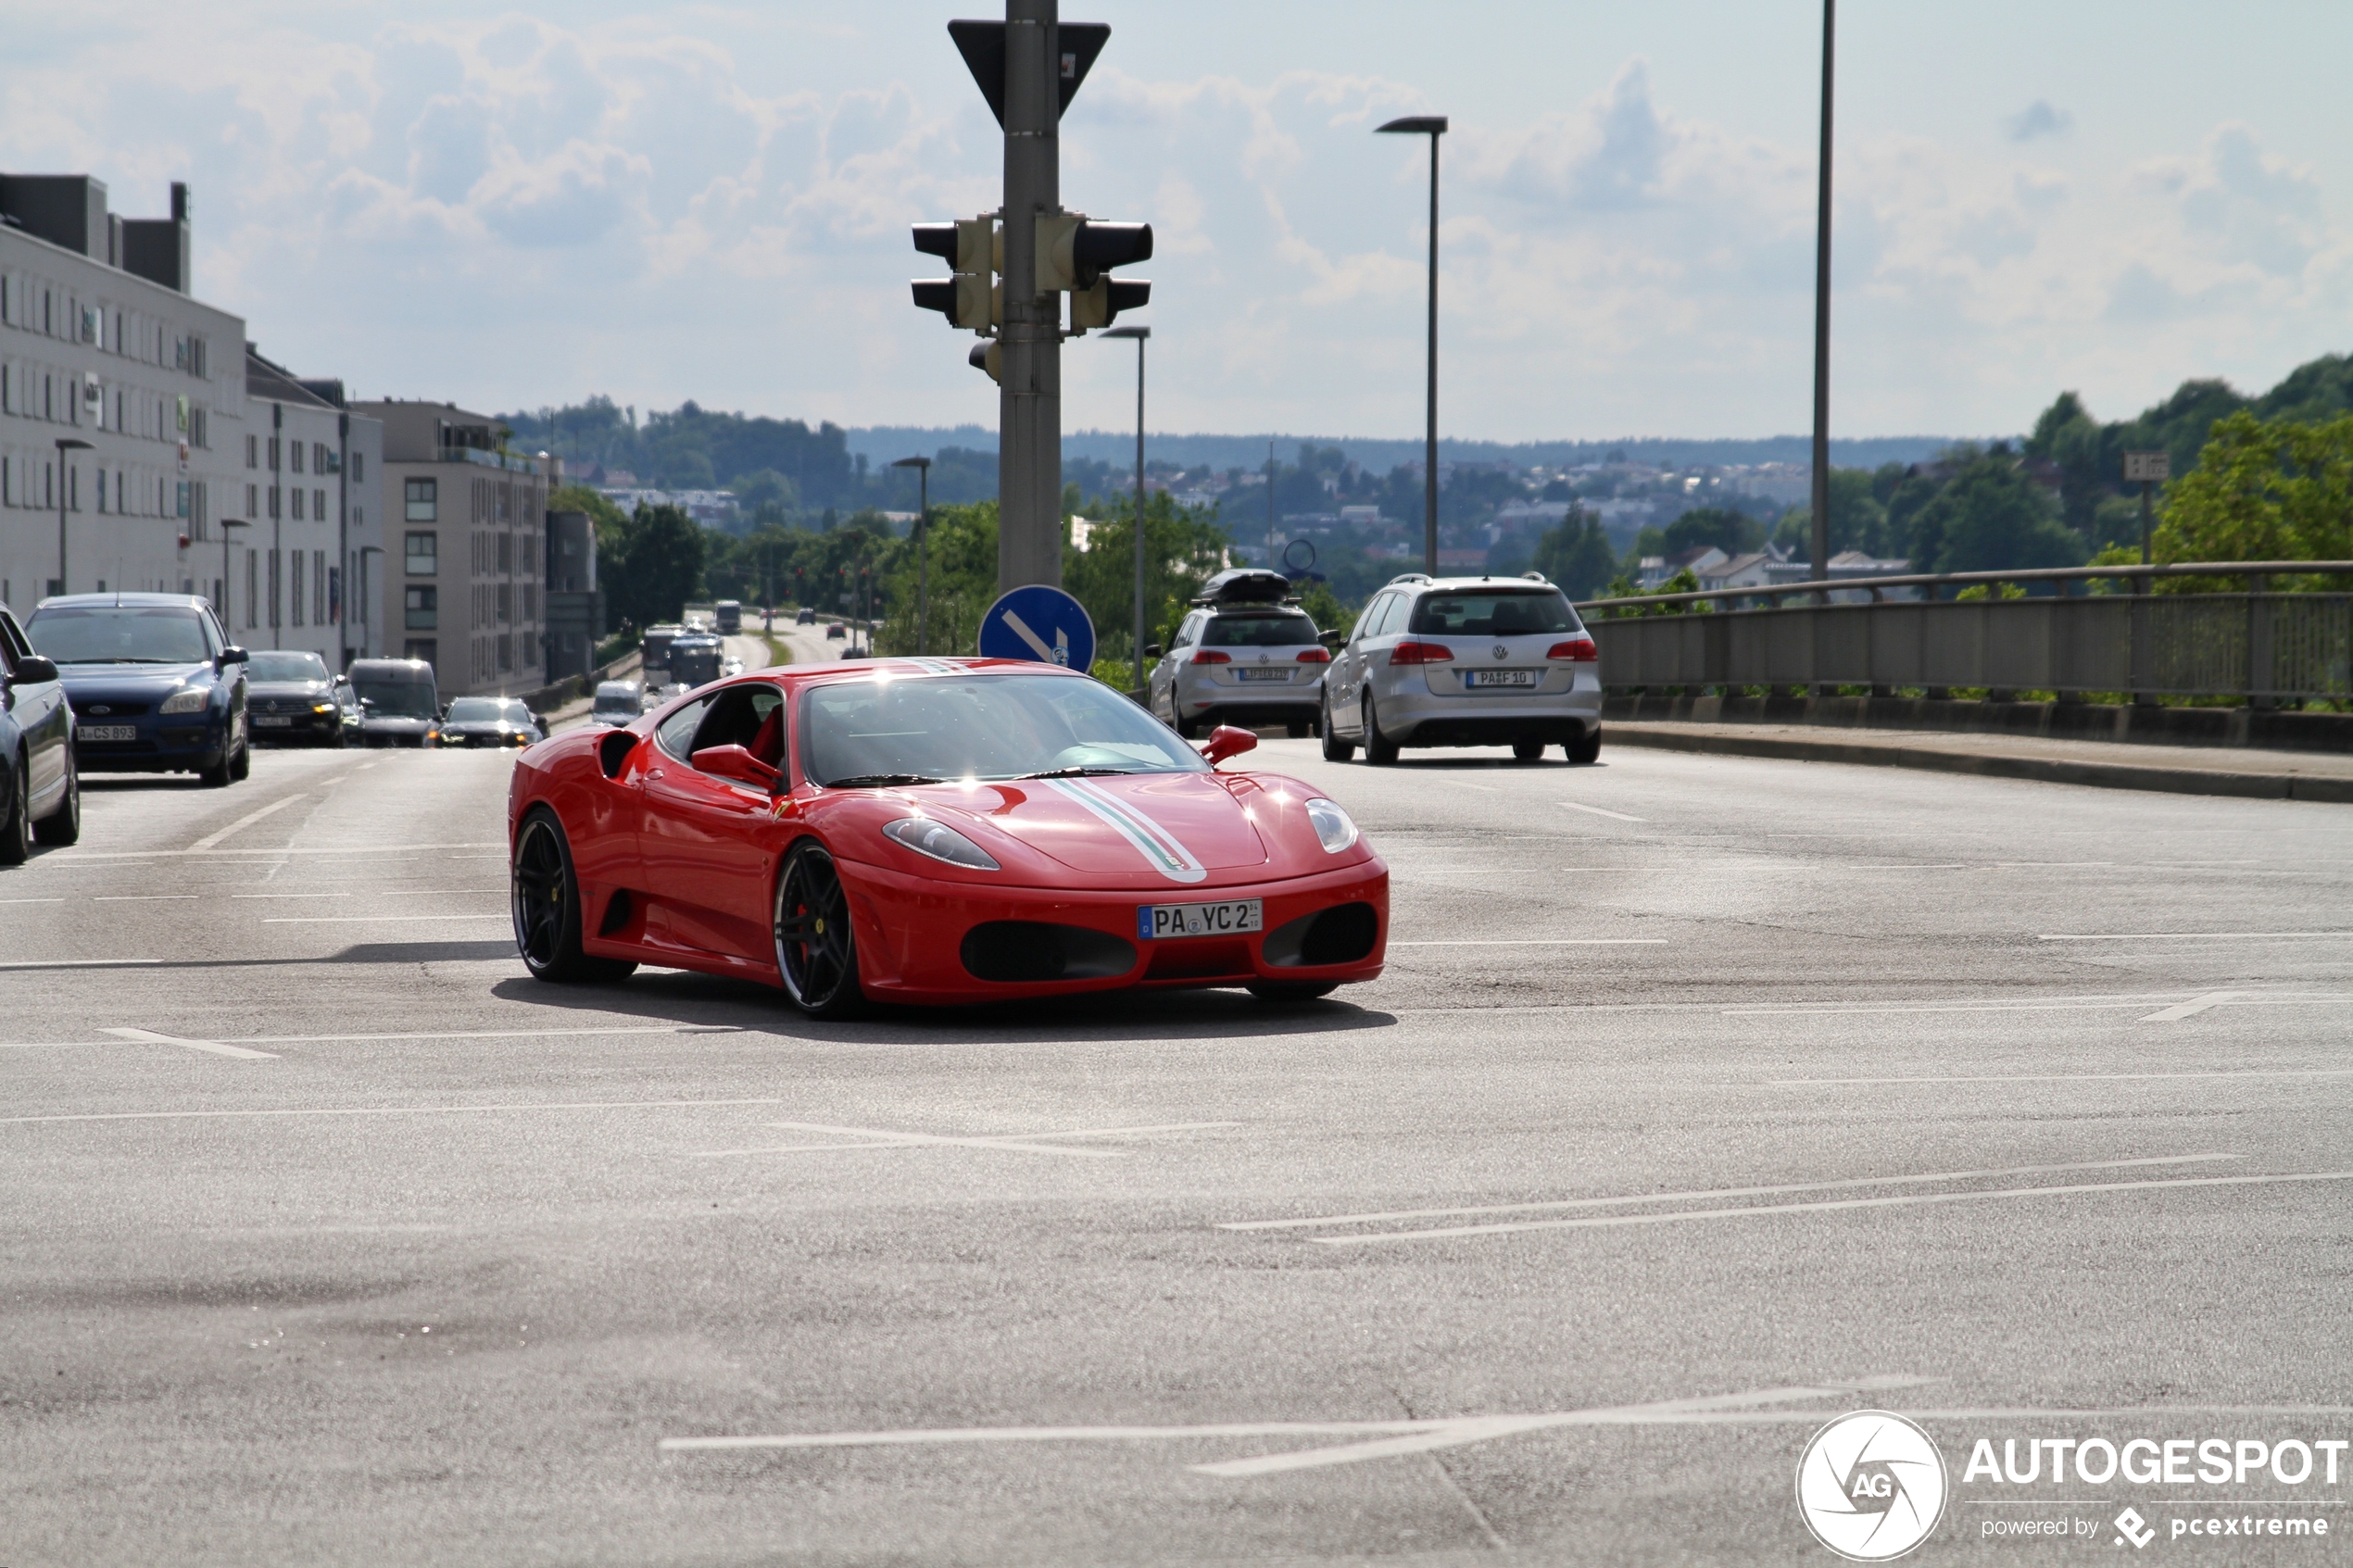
[1871,1485]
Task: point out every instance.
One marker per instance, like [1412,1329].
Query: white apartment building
[312,547]
[122,400]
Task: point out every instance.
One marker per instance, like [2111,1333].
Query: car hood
[137,681]
[285,689]
[1180,825]
[400,723]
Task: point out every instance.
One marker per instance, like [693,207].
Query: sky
[517,207]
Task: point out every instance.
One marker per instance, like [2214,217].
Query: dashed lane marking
[2073,1077]
[2190,936]
[1615,816]
[1026,1143]
[2190,1008]
[78,963]
[208,840]
[412,1035]
[369,919]
[148,1036]
[1548,941]
[511,1109]
[1391,1215]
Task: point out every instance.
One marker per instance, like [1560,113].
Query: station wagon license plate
[1229,918]
[273,722]
[1487,678]
[1264,675]
[105,731]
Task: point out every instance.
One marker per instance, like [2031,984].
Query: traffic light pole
[1029,456]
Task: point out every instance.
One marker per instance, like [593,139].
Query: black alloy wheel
[16,833]
[1379,750]
[1334,748]
[816,951]
[546,899]
[63,826]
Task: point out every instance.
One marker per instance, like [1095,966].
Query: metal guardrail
[2258,644]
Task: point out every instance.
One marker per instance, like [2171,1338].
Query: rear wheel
[1334,748]
[1297,729]
[816,951]
[1527,750]
[1280,991]
[1587,747]
[1379,750]
[63,826]
[546,896]
[15,832]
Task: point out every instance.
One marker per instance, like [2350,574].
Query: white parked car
[1244,655]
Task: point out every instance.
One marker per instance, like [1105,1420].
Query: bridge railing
[2095,628]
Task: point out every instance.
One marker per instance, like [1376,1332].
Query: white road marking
[386,1110]
[1711,1192]
[2075,1077]
[208,840]
[292,895]
[80,963]
[148,1036]
[412,1035]
[2236,998]
[1618,816]
[1905,1200]
[1388,1439]
[289,849]
[1022,1142]
[2190,1008]
[144,898]
[1548,941]
[367,920]
[32,900]
[2191,935]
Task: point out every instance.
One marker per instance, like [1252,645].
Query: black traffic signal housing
[970,247]
[1075,251]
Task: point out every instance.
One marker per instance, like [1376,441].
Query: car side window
[676,734]
[737,714]
[1370,619]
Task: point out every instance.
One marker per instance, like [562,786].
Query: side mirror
[1152,650]
[33,669]
[1334,640]
[442,712]
[735,762]
[1227,740]
[367,705]
[227,656]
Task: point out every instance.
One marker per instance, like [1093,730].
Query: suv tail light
[1314,656]
[1421,653]
[1210,656]
[1576,650]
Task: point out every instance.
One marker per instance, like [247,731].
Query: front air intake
[1024,952]
[1342,934]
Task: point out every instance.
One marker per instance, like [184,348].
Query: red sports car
[933,831]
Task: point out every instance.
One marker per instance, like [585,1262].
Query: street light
[65,443]
[1433,126]
[228,583]
[1139,334]
[923,519]
[1820,540]
[365,619]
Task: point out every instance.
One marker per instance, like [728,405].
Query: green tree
[1577,555]
[1732,533]
[1857,520]
[1991,517]
[2264,489]
[659,568]
[1182,549]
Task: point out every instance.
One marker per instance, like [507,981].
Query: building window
[297,498]
[424,503]
[318,505]
[319,603]
[277,562]
[181,508]
[294,455]
[253,499]
[506,601]
[293,591]
[318,456]
[424,558]
[253,598]
[276,498]
[102,489]
[506,653]
[423,606]
[273,453]
[358,467]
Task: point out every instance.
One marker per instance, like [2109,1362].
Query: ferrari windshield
[910,730]
[118,634]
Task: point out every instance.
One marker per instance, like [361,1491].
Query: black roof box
[1245,585]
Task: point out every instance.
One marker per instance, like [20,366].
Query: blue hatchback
[156,686]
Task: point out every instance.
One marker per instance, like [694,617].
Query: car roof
[124,601]
[1457,584]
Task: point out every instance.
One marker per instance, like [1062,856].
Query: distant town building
[712,509]
[575,603]
[312,515]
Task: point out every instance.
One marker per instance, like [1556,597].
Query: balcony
[503,461]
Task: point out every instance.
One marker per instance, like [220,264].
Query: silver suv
[1243,656]
[1464,661]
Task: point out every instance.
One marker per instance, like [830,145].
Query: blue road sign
[1039,624]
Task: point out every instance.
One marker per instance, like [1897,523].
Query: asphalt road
[329,1237]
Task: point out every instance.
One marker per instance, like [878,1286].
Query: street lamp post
[1139,334]
[367,620]
[1821,536]
[65,443]
[923,526]
[1433,126]
[228,583]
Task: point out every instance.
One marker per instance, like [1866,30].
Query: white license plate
[1228,919]
[273,722]
[105,731]
[1264,675]
[1499,677]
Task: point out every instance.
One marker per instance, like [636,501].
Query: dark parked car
[43,792]
[489,721]
[291,696]
[400,704]
[156,687]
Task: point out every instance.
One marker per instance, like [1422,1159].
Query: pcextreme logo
[1870,1486]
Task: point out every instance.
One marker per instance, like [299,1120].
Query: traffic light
[988,356]
[1075,251]
[972,248]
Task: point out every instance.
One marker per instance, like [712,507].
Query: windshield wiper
[129,660]
[871,781]
[1082,772]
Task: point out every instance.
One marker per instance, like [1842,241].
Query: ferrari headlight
[1332,825]
[187,700]
[941,841]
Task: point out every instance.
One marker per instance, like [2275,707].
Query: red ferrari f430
[933,832]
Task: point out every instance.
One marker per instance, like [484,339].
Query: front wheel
[63,826]
[546,898]
[241,765]
[16,828]
[1334,748]
[1586,747]
[816,951]
[1281,991]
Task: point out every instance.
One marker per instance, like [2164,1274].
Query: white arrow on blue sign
[1039,624]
